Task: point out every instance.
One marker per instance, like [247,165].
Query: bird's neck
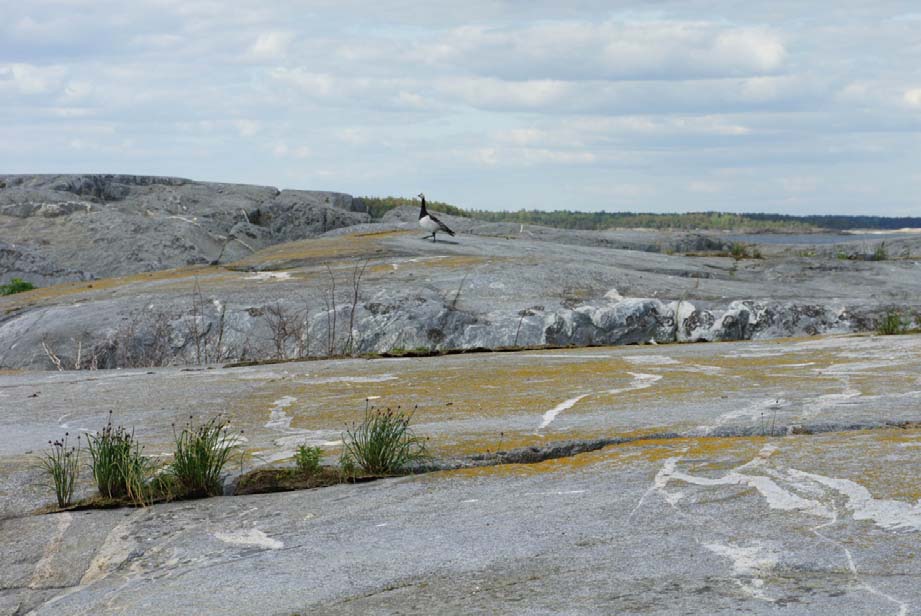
[423,212]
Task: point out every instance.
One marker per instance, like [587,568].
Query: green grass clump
[201,454]
[401,351]
[62,465]
[880,254]
[741,250]
[738,250]
[119,468]
[307,459]
[382,444]
[16,285]
[891,324]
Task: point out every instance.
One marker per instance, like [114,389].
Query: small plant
[891,324]
[880,254]
[347,467]
[307,459]
[201,454]
[119,469]
[738,250]
[401,351]
[16,285]
[62,465]
[382,444]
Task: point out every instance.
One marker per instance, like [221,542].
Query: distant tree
[722,221]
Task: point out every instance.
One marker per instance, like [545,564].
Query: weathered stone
[472,292]
[655,458]
[109,225]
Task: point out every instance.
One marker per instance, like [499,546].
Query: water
[815,238]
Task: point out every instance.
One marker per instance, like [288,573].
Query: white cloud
[563,95]
[76,91]
[411,100]
[705,187]
[282,150]
[622,97]
[28,79]
[912,97]
[164,40]
[247,128]
[353,135]
[487,156]
[608,50]
[271,45]
[751,49]
[529,157]
[70,112]
[315,84]
[493,93]
[799,184]
[653,125]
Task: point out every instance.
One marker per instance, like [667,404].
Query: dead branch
[357,273]
[329,298]
[52,356]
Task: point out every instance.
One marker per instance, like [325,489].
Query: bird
[430,223]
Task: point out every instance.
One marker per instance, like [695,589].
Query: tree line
[721,221]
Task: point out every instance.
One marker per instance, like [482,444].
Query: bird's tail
[449,232]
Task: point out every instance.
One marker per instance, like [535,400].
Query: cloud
[799,184]
[625,97]
[271,45]
[28,79]
[912,97]
[282,150]
[611,50]
[476,99]
[530,157]
[315,84]
[247,128]
[491,93]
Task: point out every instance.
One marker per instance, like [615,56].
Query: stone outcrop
[495,285]
[97,226]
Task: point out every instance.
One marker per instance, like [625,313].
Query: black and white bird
[430,223]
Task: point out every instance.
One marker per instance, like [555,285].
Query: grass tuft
[382,444]
[891,324]
[202,452]
[62,465]
[307,459]
[881,254]
[741,250]
[119,468]
[16,285]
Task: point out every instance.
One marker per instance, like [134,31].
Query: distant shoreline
[881,231]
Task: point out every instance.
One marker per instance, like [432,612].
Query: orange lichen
[89,289]
[317,250]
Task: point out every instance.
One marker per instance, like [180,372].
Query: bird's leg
[433,236]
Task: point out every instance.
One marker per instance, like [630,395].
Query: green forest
[567,219]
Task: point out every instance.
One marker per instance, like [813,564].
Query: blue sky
[781,106]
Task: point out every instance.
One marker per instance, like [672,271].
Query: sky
[657,106]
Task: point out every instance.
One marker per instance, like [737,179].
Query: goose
[430,223]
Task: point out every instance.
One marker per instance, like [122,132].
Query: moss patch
[267,480]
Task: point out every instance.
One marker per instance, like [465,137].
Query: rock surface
[474,291]
[699,524]
[95,226]
[276,295]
